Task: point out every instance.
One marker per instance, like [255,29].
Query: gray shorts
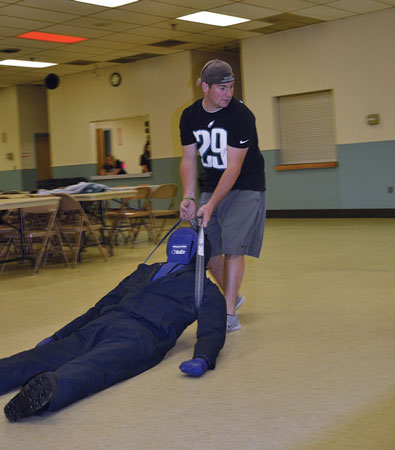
[237,224]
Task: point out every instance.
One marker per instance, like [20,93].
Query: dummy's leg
[18,369]
[98,369]
[104,366]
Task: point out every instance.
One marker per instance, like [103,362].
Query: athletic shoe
[232,323]
[239,300]
[34,396]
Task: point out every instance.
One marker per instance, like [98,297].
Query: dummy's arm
[112,298]
[211,332]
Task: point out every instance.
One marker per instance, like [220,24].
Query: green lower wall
[360,181]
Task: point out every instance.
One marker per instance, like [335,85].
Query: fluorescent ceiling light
[21,63]
[108,3]
[50,37]
[209,18]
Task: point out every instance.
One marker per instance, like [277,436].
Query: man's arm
[188,178]
[235,158]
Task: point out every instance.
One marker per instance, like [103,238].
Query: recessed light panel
[209,18]
[21,63]
[107,3]
[50,37]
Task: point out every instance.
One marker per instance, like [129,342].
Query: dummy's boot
[33,398]
[194,367]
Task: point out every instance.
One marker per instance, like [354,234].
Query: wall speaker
[52,81]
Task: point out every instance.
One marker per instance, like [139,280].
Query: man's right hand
[187,209]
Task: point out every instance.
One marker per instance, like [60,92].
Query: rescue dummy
[126,333]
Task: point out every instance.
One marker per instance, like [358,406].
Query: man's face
[217,96]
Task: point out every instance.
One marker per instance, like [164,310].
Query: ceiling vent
[130,59]
[81,62]
[168,43]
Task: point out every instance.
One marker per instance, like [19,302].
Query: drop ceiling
[146,29]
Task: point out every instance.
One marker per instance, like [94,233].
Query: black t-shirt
[213,132]
[145,161]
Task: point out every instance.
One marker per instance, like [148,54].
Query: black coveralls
[127,332]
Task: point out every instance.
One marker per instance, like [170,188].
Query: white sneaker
[239,300]
[232,323]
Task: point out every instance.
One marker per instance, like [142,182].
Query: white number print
[213,147]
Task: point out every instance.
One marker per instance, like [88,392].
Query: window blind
[306,126]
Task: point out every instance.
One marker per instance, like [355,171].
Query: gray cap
[216,72]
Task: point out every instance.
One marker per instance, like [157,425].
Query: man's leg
[233,276]
[216,267]
[228,273]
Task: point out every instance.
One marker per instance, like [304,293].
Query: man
[127,332]
[232,204]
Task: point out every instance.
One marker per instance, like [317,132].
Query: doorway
[43,157]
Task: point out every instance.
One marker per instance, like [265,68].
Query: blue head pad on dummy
[181,246]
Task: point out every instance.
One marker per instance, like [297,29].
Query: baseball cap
[216,72]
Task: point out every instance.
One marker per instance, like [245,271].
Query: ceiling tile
[320,2]
[100,24]
[66,6]
[25,24]
[160,9]
[159,32]
[245,11]
[184,26]
[74,31]
[36,14]
[132,38]
[251,25]
[28,43]
[65,54]
[231,33]
[106,44]
[388,2]
[359,6]
[4,31]
[280,5]
[324,13]
[128,16]
[205,39]
[203,4]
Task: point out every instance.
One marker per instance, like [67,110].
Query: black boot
[33,398]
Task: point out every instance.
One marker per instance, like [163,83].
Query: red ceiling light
[50,37]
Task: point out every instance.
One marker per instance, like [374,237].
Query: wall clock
[115,79]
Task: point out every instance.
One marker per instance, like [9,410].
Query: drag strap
[163,239]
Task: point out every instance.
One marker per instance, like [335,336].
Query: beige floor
[313,367]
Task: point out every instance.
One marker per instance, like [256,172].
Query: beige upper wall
[353,56]
[160,88]
[33,119]
[9,129]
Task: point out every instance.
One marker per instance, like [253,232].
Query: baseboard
[330,213]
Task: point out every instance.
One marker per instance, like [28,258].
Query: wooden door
[43,157]
[100,149]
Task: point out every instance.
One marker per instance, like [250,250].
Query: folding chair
[129,218]
[76,227]
[163,191]
[40,235]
